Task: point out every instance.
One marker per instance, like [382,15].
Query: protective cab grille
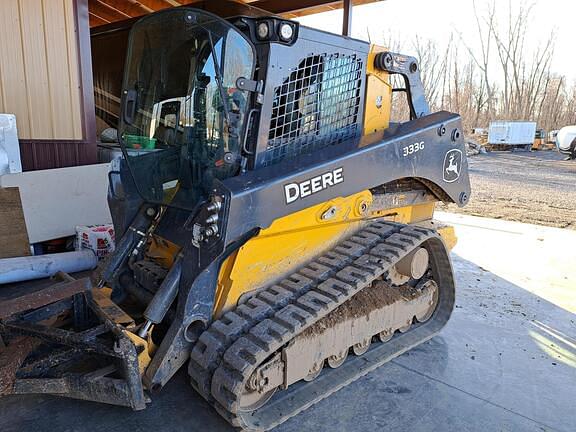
[316,106]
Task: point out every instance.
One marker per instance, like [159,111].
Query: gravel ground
[533,187]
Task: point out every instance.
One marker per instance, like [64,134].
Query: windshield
[183,116]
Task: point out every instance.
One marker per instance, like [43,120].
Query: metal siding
[44,154]
[39,73]
[61,103]
[36,69]
[74,70]
[12,81]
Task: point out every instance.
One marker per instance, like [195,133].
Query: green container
[139,142]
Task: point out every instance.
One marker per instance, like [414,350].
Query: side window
[233,59]
[237,63]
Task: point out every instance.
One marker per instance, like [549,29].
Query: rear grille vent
[316,106]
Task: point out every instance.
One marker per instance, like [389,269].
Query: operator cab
[181,103]
[207,98]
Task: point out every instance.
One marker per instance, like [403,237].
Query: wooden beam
[156,5]
[129,7]
[108,11]
[96,21]
[13,233]
[324,7]
[99,8]
[283,6]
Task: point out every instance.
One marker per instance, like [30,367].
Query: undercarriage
[288,346]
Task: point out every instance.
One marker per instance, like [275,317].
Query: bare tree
[485,26]
[523,82]
[433,67]
[503,79]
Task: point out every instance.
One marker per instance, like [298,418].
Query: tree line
[505,79]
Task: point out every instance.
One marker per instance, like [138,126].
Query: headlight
[263,30]
[286,32]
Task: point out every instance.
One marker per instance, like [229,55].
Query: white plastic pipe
[43,266]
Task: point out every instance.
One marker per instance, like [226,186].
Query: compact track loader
[275,229]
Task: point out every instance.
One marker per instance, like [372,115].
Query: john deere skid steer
[275,229]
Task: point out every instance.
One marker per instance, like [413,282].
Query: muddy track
[234,346]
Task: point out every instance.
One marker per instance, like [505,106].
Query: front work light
[263,30]
[286,32]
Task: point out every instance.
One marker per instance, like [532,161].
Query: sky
[437,19]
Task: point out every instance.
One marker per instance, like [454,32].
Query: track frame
[236,345]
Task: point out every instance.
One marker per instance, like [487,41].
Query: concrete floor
[505,362]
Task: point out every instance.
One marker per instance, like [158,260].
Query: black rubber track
[234,346]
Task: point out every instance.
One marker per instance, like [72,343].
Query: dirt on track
[536,187]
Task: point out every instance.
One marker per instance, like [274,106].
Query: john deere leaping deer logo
[452,165]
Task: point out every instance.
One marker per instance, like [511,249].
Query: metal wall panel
[39,71]
[13,90]
[44,154]
[46,80]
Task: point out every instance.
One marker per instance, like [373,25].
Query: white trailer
[512,133]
